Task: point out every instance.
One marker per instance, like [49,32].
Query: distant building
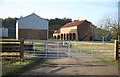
[3,32]
[53,29]
[56,35]
[98,34]
[80,31]
[32,27]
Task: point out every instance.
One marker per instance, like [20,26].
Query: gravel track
[72,66]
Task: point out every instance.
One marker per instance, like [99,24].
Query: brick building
[53,28]
[79,30]
[32,27]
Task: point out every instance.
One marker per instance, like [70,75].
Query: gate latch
[70,45]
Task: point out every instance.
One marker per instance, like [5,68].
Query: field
[99,49]
[95,48]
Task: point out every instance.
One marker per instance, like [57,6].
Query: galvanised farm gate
[68,49]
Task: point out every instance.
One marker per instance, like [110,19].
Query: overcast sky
[91,10]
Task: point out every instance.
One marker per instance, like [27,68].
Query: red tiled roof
[58,31]
[73,23]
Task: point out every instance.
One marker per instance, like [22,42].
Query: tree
[76,20]
[9,22]
[109,25]
[59,21]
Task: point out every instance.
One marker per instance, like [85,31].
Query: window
[90,29]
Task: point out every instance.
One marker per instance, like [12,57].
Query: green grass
[13,66]
[110,61]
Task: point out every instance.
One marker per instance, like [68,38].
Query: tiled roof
[73,23]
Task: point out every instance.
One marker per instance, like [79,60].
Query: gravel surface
[66,66]
[71,66]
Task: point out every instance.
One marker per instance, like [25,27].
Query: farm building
[32,27]
[3,31]
[10,23]
[98,34]
[53,28]
[79,30]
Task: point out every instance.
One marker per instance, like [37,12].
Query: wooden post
[22,50]
[116,53]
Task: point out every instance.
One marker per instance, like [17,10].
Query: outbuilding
[79,30]
[32,27]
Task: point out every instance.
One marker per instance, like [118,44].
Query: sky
[91,10]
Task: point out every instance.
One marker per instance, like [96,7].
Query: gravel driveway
[71,66]
[66,66]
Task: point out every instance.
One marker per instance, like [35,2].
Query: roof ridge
[73,23]
[31,15]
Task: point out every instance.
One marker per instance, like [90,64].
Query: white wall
[67,29]
[17,30]
[32,22]
[4,32]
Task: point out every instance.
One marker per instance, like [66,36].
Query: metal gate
[68,49]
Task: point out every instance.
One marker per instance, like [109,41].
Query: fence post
[22,49]
[116,54]
[63,43]
[58,49]
[69,51]
[46,49]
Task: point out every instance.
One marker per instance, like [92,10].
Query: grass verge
[112,61]
[13,66]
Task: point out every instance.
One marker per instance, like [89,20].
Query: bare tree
[109,25]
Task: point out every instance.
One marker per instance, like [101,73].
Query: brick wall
[83,29]
[33,34]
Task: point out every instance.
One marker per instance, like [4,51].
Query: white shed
[32,27]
